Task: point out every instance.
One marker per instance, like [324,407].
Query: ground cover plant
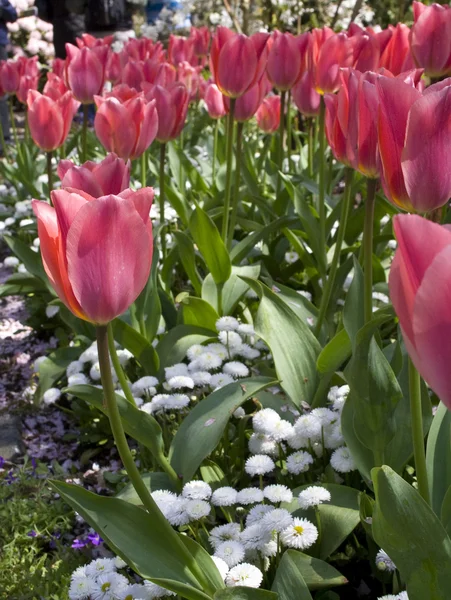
[240,270]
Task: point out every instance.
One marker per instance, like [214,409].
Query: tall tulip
[27,82]
[50,120]
[396,56]
[268,114]
[10,73]
[284,60]
[246,105]
[430,38]
[214,101]
[110,176]
[97,252]
[85,71]
[414,141]
[180,49]
[172,107]
[201,40]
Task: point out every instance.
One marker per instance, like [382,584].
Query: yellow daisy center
[299,529]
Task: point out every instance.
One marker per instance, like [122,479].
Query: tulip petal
[427,147]
[432,326]
[67,204]
[79,178]
[109,255]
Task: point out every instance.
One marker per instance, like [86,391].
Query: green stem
[143,169]
[229,161]
[318,526]
[215,150]
[181,180]
[129,464]
[322,183]
[289,129]
[13,124]
[281,138]
[219,288]
[162,183]
[84,133]
[311,127]
[368,250]
[50,174]
[2,141]
[235,198]
[417,432]
[329,284]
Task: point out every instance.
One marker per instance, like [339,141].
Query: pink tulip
[50,120]
[161,73]
[114,66]
[110,176]
[305,96]
[85,71]
[396,56]
[201,40]
[58,67]
[214,101]
[247,105]
[430,38]
[97,252]
[27,82]
[10,73]
[189,76]
[248,55]
[366,50]
[180,49]
[268,114]
[126,127]
[414,142]
[334,54]
[420,291]
[55,86]
[89,41]
[284,61]
[172,107]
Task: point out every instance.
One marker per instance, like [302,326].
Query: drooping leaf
[233,290]
[137,344]
[198,312]
[174,345]
[153,481]
[288,582]
[438,457]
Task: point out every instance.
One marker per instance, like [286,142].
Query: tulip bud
[85,71]
[110,176]
[284,61]
[305,96]
[49,120]
[247,105]
[214,101]
[268,114]
[430,40]
[172,107]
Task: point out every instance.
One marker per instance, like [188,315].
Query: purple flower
[95,539]
[77,544]
[32,533]
[2,462]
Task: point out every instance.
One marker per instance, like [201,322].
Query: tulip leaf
[244,593]
[21,284]
[146,542]
[137,424]
[293,346]
[174,345]
[289,582]
[438,457]
[32,260]
[233,290]
[196,311]
[188,259]
[316,573]
[247,244]
[148,305]
[208,240]
[335,353]
[137,344]
[54,366]
[412,535]
[353,319]
[206,422]
[153,481]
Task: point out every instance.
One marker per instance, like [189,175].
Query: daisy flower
[81,588]
[197,509]
[259,464]
[177,370]
[301,534]
[249,496]
[278,493]
[224,533]
[197,490]
[254,537]
[236,369]
[257,512]
[384,562]
[231,552]
[99,566]
[276,521]
[224,496]
[314,495]
[299,462]
[260,443]
[244,574]
[221,565]
[264,420]
[220,380]
[227,324]
[342,461]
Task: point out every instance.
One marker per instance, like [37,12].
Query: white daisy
[201,378]
[108,586]
[299,462]
[402,596]
[74,367]
[195,351]
[325,416]
[133,592]
[221,565]
[176,513]
[208,361]
[259,464]
[236,369]
[81,588]
[197,490]
[301,534]
[220,380]
[314,495]
[94,372]
[246,329]
[278,493]
[249,496]
[51,395]
[264,420]
[177,402]
[119,563]
[179,382]
[99,566]
[177,370]
[224,496]
[247,351]
[342,461]
[227,324]
[197,509]
[244,574]
[77,379]
[257,512]
[239,413]
[231,552]
[276,521]
[282,430]
[384,562]
[224,533]
[260,443]
[159,402]
[255,537]
[156,591]
[144,385]
[230,339]
[218,349]
[308,426]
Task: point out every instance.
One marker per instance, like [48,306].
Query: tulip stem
[13,126]
[289,129]
[50,174]
[84,133]
[368,249]
[143,169]
[229,163]
[417,432]
[162,222]
[239,140]
[130,466]
[161,458]
[215,150]
[322,187]
[2,141]
[329,284]
[311,139]
[181,179]
[281,139]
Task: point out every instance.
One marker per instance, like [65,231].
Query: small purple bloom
[95,539]
[2,462]
[32,533]
[77,544]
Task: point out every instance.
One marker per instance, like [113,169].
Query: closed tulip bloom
[88,40]
[162,73]
[126,128]
[366,52]
[237,62]
[114,66]
[110,176]
[284,61]
[27,82]
[85,71]
[189,76]
[172,107]
[55,86]
[430,39]
[396,56]
[132,74]
[10,72]
[214,101]
[305,96]
[334,54]
[180,49]
[97,252]
[420,291]
[247,105]
[201,40]
[58,67]
[414,141]
[268,114]
[50,120]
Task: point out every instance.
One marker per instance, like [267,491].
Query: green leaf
[206,422]
[288,582]
[31,260]
[353,318]
[438,457]
[148,305]
[210,244]
[247,244]
[244,593]
[196,311]
[137,344]
[445,515]
[317,574]
[188,258]
[138,424]
[174,345]
[412,535]
[212,474]
[362,455]
[233,290]
[145,541]
[293,346]
[153,481]
[54,366]
[22,283]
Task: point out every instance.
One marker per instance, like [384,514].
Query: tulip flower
[396,56]
[248,56]
[114,67]
[110,176]
[366,51]
[201,40]
[58,67]
[10,73]
[247,105]
[85,71]
[430,39]
[268,114]
[420,291]
[97,252]
[214,101]
[180,49]
[414,143]
[334,53]
[172,108]
[50,120]
[27,82]
[189,76]
[126,127]
[284,60]
[305,96]
[89,41]
[54,86]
